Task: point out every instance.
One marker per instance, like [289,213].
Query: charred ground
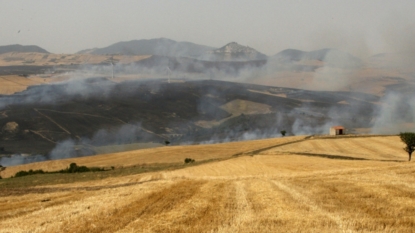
[92,112]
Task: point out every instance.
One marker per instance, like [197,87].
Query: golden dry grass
[237,107]
[10,84]
[268,192]
[40,59]
[367,79]
[169,154]
[380,148]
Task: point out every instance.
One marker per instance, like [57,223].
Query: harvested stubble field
[10,84]
[274,190]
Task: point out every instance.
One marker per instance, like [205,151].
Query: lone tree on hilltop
[409,140]
[283,132]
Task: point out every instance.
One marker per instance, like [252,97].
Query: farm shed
[337,130]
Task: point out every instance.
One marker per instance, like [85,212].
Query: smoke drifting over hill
[70,148]
[177,97]
[397,114]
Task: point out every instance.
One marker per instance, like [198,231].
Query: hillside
[153,111]
[265,190]
[160,47]
[234,52]
[331,57]
[40,60]
[21,49]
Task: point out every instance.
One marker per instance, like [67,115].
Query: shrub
[189,160]
[28,173]
[283,132]
[74,168]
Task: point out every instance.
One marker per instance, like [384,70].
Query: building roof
[337,127]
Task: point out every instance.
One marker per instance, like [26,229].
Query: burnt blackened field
[97,112]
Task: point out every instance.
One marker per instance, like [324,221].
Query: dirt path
[83,114]
[42,136]
[54,122]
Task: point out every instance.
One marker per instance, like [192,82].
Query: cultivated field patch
[267,192]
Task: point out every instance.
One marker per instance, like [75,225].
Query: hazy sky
[362,27]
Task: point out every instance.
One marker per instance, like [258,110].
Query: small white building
[337,130]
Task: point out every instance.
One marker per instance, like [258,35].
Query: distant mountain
[191,65]
[332,57]
[161,47]
[290,55]
[22,49]
[234,52]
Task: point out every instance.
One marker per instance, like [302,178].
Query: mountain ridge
[158,46]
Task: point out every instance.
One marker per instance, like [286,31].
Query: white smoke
[396,114]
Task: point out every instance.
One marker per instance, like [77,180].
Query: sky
[363,28]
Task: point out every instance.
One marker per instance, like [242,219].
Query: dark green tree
[283,132]
[409,139]
[167,142]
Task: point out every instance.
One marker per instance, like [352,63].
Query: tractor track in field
[54,122]
[306,201]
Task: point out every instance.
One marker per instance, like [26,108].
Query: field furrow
[13,207]
[374,148]
[151,204]
[75,215]
[276,190]
[365,204]
[315,208]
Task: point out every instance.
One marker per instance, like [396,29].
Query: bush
[283,132]
[189,160]
[28,173]
[74,168]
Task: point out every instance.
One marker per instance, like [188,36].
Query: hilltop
[234,52]
[21,49]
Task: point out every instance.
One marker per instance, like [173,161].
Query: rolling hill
[156,110]
[170,48]
[234,52]
[331,57]
[21,49]
[160,47]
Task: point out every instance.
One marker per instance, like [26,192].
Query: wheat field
[268,188]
